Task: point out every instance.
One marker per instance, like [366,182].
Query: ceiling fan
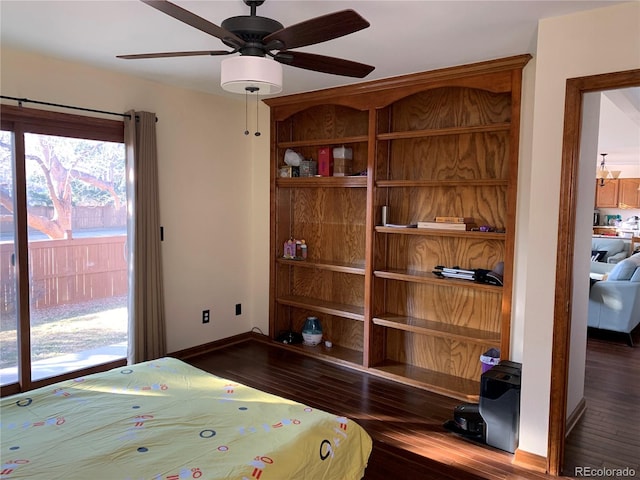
[257,37]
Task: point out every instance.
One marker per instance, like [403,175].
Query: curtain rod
[26,100]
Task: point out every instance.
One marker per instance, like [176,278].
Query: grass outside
[66,329]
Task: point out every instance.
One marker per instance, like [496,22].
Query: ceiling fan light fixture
[247,73]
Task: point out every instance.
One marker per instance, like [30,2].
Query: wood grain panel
[333,242]
[332,222]
[415,252]
[438,354]
[418,350]
[282,319]
[450,107]
[486,204]
[283,217]
[329,286]
[379,297]
[466,307]
[283,285]
[323,121]
[344,332]
[465,359]
[472,156]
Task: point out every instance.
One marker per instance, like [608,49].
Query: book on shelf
[447,225]
[455,220]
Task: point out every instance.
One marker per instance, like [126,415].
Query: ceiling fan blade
[317,30]
[321,63]
[195,21]
[175,54]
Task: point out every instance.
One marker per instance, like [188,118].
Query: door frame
[575,90]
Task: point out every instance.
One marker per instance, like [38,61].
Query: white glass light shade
[242,72]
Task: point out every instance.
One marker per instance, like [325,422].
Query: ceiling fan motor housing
[252,29]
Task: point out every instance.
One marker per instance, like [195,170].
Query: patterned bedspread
[166,420]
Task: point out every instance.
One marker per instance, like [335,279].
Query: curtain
[147,339]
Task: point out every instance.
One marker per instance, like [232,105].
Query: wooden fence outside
[64,272]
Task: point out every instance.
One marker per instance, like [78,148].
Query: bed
[167,420]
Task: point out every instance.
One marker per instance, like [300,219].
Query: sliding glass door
[70,296]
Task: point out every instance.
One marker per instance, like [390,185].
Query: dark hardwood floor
[608,434]
[405,423]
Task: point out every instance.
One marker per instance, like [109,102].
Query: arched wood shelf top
[492,75]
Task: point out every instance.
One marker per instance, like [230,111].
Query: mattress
[167,420]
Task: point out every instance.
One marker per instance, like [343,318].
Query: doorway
[576,88]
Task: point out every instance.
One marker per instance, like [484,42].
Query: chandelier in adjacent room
[604,173]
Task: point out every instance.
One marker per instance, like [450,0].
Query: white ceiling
[619,130]
[404,36]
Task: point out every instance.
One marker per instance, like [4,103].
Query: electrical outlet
[238,309]
[205,316]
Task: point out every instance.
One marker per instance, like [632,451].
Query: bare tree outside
[64,172]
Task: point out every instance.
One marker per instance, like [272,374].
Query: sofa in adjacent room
[614,301]
[611,250]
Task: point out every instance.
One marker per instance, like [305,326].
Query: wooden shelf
[321,306]
[442,183]
[497,127]
[430,278]
[323,182]
[353,268]
[456,387]
[438,329]
[323,142]
[335,354]
[441,233]
[431,145]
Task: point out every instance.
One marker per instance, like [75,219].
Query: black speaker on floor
[500,405]
[495,420]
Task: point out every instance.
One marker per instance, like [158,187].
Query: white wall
[214,198]
[587,43]
[260,222]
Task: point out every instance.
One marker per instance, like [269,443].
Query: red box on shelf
[325,161]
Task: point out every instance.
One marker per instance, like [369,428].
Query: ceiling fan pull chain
[246,112]
[249,90]
[257,123]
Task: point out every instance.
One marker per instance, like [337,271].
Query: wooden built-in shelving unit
[430,144]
